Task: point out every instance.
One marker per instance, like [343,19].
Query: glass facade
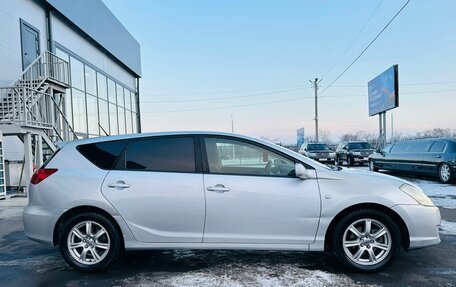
[96,104]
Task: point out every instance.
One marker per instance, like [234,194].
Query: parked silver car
[204,190]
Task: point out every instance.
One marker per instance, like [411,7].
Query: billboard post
[383,94]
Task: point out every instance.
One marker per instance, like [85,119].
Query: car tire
[90,251]
[446,175]
[350,161]
[338,161]
[362,250]
[372,166]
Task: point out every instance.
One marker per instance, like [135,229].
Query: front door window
[226,156]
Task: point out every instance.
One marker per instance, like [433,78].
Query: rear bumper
[422,224]
[39,223]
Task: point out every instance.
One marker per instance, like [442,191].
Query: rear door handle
[438,156]
[120,184]
[219,188]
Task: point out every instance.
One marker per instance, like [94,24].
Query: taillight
[42,174]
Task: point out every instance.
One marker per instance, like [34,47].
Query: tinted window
[359,146]
[102,154]
[161,154]
[438,146]
[317,147]
[387,148]
[236,157]
[400,147]
[422,146]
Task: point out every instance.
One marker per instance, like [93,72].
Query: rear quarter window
[438,146]
[103,154]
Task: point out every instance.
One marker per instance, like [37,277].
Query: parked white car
[204,190]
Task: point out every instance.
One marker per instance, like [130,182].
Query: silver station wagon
[206,190]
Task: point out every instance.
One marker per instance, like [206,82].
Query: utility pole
[232,124]
[315,85]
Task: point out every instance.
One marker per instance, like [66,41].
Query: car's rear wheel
[445,173]
[366,240]
[89,242]
[372,166]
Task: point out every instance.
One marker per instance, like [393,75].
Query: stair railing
[46,66]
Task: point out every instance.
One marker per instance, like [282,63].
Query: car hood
[320,151]
[362,150]
[363,176]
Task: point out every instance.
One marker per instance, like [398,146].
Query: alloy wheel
[88,242]
[367,242]
[445,172]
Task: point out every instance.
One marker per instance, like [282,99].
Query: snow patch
[447,227]
[237,274]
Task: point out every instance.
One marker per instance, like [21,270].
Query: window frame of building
[103,79]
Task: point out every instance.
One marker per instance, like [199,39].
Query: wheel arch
[77,210]
[405,237]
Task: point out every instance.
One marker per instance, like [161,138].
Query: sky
[207,62]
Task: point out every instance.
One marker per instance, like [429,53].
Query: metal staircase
[33,108]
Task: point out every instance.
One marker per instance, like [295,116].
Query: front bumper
[325,159]
[422,224]
[39,223]
[360,158]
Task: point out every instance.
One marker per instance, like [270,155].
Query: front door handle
[438,156]
[219,188]
[120,184]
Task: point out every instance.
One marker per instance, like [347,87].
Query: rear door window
[172,154]
[438,146]
[103,154]
[421,146]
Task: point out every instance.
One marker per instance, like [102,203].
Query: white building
[68,69]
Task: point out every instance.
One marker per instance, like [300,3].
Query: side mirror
[301,171]
[345,148]
[305,149]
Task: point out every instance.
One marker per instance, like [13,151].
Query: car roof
[429,139]
[153,134]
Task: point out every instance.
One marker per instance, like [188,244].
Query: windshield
[359,146]
[318,147]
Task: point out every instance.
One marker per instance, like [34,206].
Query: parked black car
[319,152]
[432,157]
[353,152]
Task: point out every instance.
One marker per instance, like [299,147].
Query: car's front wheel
[366,240]
[350,161]
[89,242]
[372,166]
[445,173]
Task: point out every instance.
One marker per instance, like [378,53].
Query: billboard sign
[300,136]
[383,91]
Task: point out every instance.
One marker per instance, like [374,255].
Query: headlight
[356,153]
[332,154]
[312,154]
[416,194]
